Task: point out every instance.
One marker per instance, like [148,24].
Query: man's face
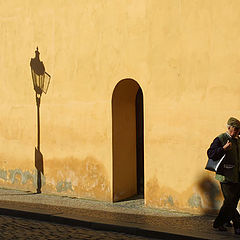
[233,131]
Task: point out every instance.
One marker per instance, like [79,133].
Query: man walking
[228,174]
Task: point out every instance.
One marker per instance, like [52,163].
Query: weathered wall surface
[194,67]
[185,56]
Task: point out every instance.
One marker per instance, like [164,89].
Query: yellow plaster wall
[185,56]
[194,67]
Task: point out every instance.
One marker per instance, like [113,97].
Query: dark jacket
[229,168]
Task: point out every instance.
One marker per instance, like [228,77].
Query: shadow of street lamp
[41,80]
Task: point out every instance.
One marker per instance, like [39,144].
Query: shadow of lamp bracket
[41,80]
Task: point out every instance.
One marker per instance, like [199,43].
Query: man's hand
[227,146]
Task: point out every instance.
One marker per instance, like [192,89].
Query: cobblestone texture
[13,228]
[129,213]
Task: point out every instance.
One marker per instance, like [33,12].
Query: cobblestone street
[130,216]
[19,228]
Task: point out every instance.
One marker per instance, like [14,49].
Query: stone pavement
[130,217]
[15,228]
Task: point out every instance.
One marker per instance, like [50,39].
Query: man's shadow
[210,189]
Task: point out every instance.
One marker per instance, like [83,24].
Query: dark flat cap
[233,122]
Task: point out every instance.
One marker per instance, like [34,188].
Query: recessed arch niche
[127,140]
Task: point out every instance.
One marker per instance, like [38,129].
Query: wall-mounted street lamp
[41,80]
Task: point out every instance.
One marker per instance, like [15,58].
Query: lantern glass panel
[47,78]
[37,80]
[34,78]
[40,81]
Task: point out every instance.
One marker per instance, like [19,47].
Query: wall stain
[23,177]
[160,196]
[157,196]
[195,201]
[3,174]
[203,196]
[86,178]
[64,186]
[170,201]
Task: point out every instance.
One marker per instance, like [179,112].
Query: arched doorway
[127,140]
